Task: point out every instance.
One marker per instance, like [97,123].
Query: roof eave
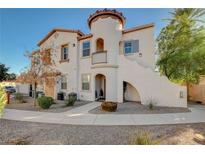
[133,29]
[59,30]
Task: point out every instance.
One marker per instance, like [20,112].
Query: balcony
[99,57]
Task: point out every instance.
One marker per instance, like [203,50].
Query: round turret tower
[106,27]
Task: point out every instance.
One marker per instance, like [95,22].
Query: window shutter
[135,44]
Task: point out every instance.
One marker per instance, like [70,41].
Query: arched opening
[100,87]
[99,45]
[130,93]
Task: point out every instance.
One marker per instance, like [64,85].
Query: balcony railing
[99,57]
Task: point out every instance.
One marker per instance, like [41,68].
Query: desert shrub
[70,102]
[143,138]
[109,106]
[72,97]
[45,102]
[151,106]
[19,97]
[151,103]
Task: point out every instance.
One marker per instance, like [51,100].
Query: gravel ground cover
[137,108]
[18,132]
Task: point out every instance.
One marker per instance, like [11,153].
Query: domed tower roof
[106,13]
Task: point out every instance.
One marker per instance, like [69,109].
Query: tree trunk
[35,86]
[187,86]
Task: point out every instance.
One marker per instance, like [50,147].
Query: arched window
[99,45]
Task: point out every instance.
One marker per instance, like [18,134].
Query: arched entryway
[130,93]
[99,45]
[100,87]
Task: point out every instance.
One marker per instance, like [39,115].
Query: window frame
[83,49]
[64,82]
[82,82]
[63,53]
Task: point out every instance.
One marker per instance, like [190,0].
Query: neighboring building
[110,63]
[22,88]
[197,91]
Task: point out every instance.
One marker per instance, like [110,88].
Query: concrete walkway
[80,116]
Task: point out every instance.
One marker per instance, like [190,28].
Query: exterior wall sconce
[140,54]
[181,94]
[73,44]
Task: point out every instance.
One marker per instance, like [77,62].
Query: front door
[49,87]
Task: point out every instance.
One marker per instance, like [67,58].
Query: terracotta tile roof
[59,30]
[85,37]
[113,12]
[138,28]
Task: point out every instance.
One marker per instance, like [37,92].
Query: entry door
[49,87]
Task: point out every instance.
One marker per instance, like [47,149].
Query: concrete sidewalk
[80,116]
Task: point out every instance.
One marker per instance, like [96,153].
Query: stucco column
[120,91]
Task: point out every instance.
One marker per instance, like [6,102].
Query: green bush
[45,102]
[19,97]
[151,106]
[70,102]
[143,138]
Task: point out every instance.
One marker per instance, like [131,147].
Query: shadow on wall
[130,93]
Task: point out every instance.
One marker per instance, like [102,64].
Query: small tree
[181,45]
[4,75]
[42,67]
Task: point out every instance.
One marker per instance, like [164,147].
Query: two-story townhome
[110,63]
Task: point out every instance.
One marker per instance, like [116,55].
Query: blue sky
[22,29]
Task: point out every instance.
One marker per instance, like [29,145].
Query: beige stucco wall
[66,68]
[84,68]
[146,46]
[138,71]
[110,31]
[150,85]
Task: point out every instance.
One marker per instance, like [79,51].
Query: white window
[63,82]
[64,52]
[86,49]
[85,81]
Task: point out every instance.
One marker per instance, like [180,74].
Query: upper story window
[128,47]
[86,48]
[63,82]
[64,52]
[85,81]
[99,45]
[131,46]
